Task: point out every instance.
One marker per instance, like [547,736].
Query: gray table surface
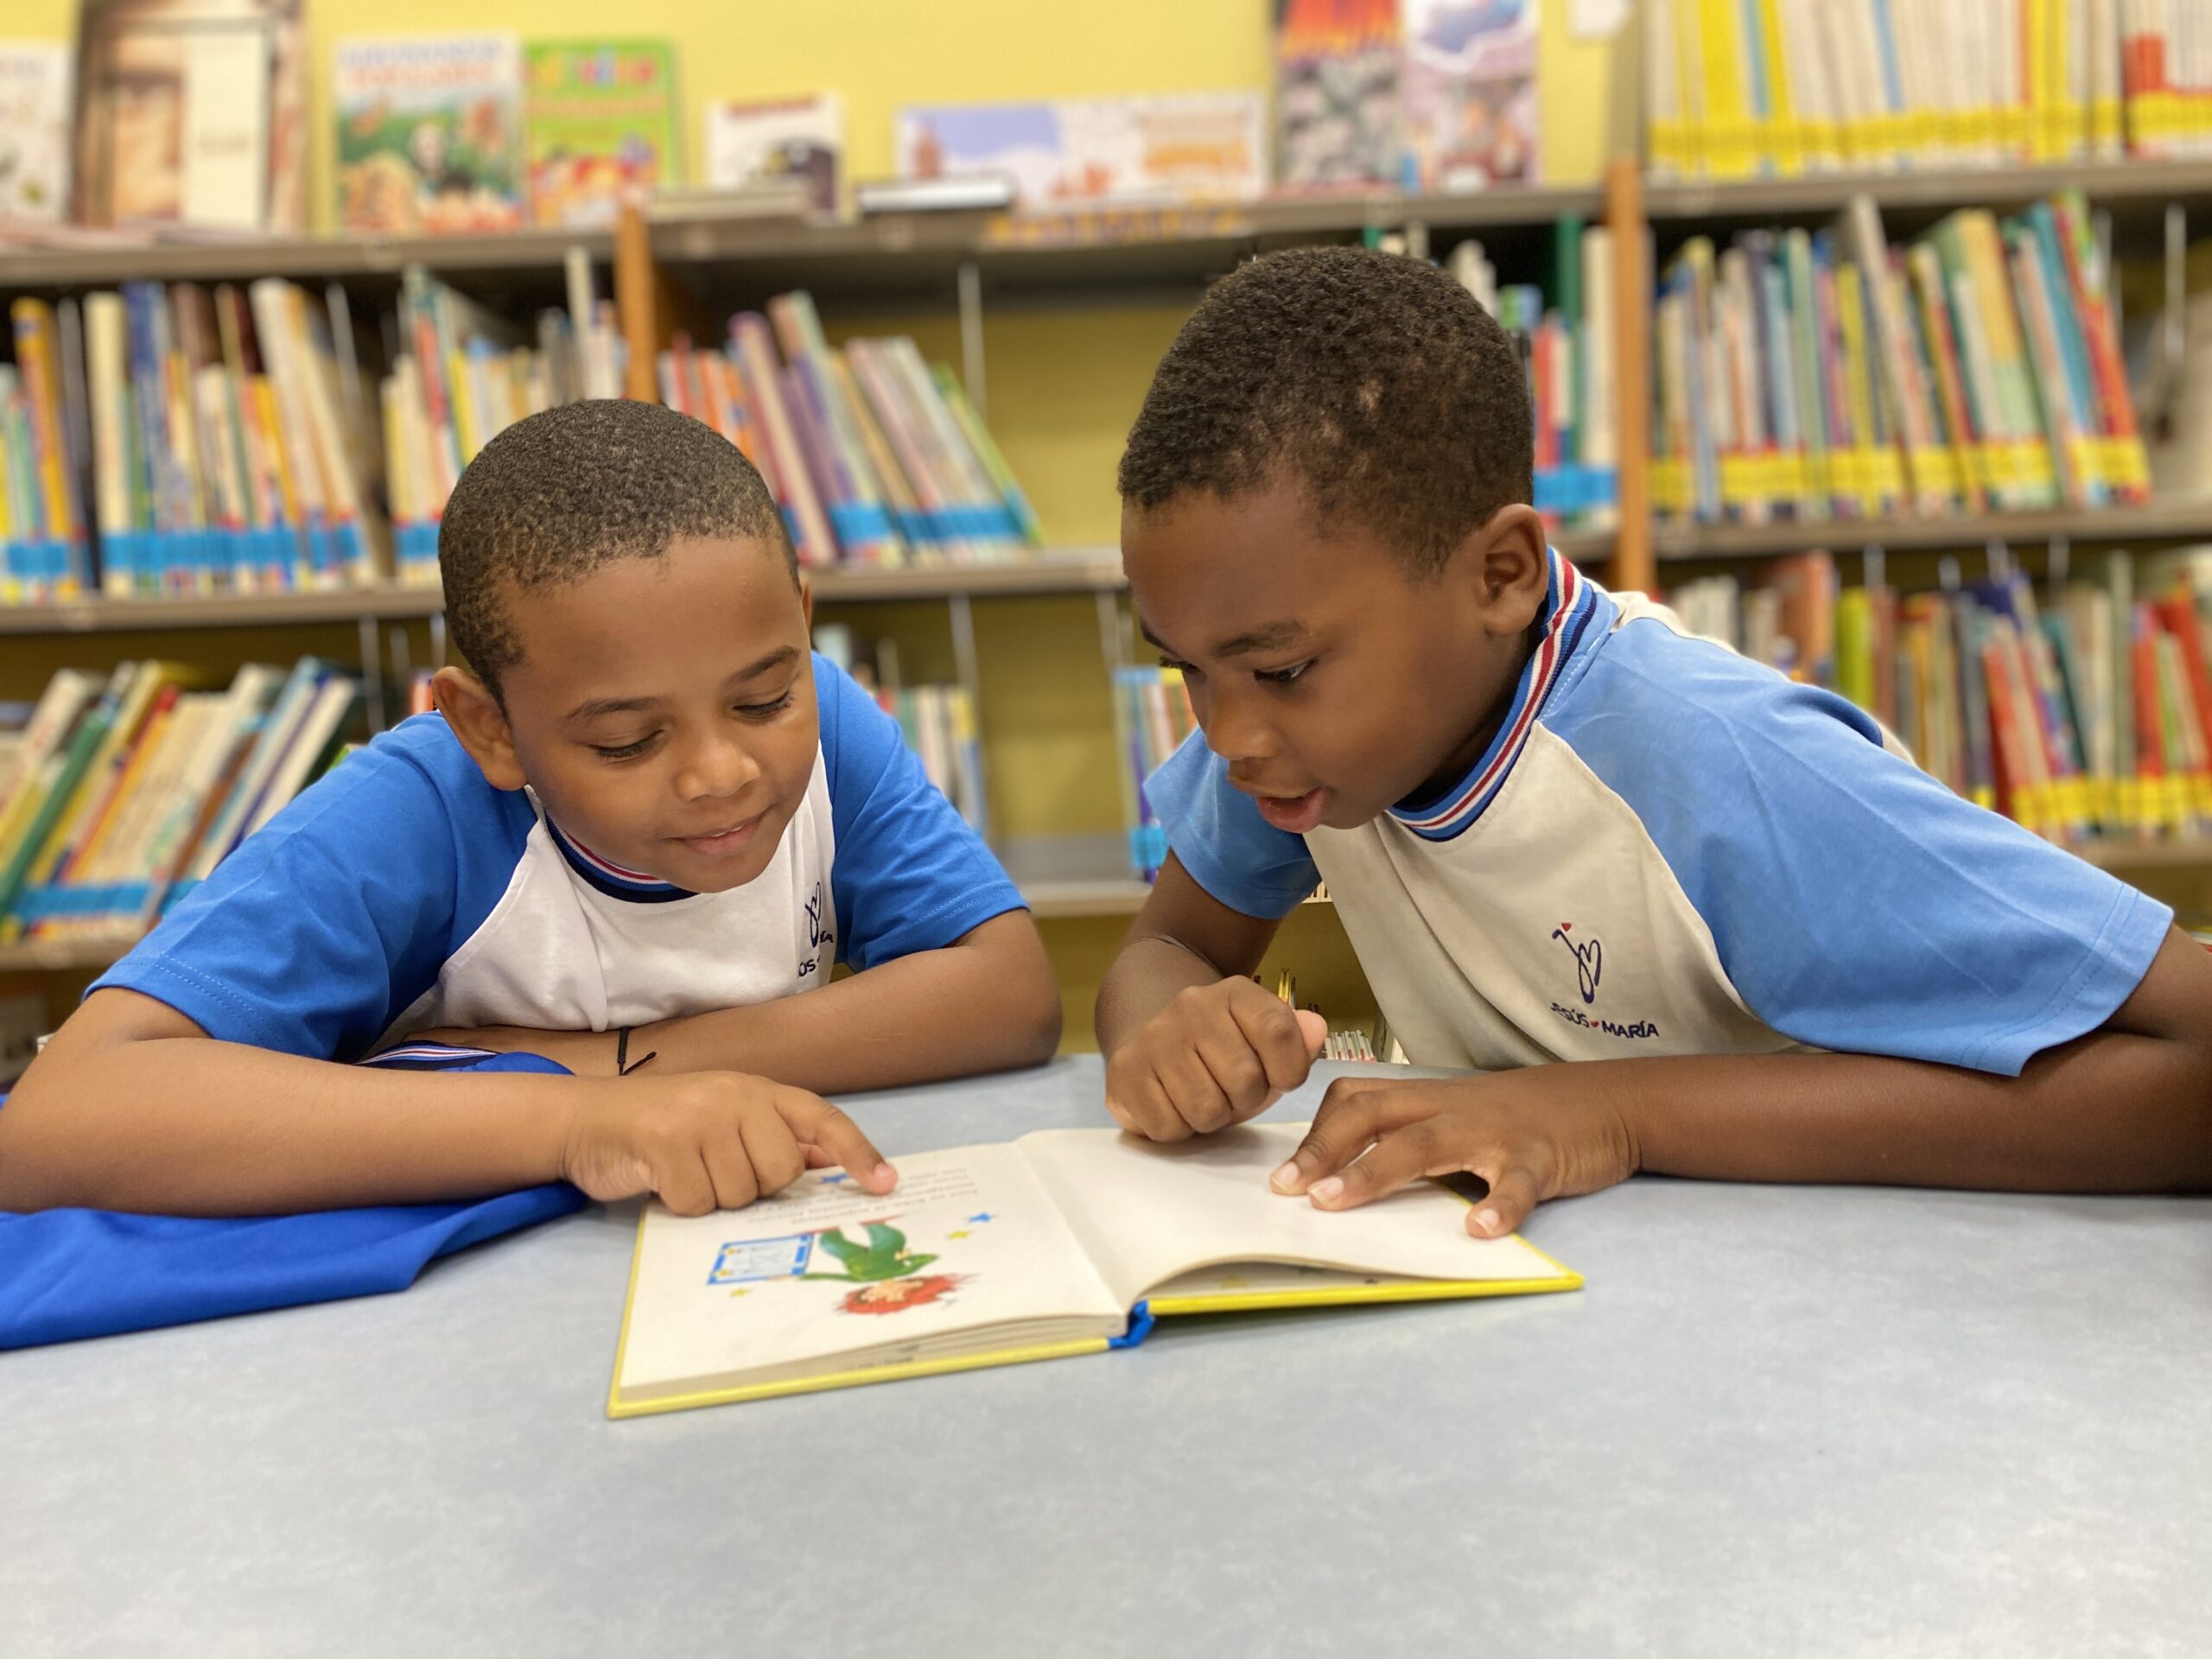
[1777,1421]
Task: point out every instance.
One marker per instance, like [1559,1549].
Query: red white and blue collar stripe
[1571,602]
[611,877]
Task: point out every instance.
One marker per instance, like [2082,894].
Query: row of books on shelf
[1829,374]
[1565,331]
[119,793]
[2084,712]
[172,439]
[877,457]
[939,721]
[1348,1042]
[1151,717]
[1791,86]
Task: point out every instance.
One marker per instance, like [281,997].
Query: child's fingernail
[883,1175]
[1487,1220]
[1326,1192]
[1285,1178]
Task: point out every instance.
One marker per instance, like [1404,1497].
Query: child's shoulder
[1655,699]
[400,771]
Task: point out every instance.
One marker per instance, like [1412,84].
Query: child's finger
[1140,1104]
[815,1122]
[681,1179]
[1235,1068]
[1354,1112]
[1198,1100]
[773,1150]
[1513,1196]
[1277,1036]
[1401,1155]
[729,1167]
[1315,1031]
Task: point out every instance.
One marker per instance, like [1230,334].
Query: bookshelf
[694,258]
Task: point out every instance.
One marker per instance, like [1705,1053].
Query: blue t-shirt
[1670,849]
[404,892]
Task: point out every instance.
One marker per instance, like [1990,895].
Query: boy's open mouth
[722,843]
[1295,814]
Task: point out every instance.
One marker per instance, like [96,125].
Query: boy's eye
[763,710]
[1280,675]
[624,751]
[1180,667]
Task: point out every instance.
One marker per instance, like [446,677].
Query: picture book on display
[429,132]
[34,79]
[1165,149]
[778,138]
[191,112]
[1470,89]
[1338,74]
[1064,1241]
[601,126]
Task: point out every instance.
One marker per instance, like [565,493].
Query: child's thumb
[1314,1029]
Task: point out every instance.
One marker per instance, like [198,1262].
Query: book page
[1146,1213]
[824,1271]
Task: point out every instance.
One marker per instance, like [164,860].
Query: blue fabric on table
[70,1274]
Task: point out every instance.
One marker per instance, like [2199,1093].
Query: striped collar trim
[1571,602]
[611,877]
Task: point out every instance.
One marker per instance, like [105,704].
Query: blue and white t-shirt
[1670,849]
[403,891]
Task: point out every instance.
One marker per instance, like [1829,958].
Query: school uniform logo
[1589,959]
[821,930]
[1589,972]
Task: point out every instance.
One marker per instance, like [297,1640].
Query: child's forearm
[2113,1112]
[144,1113]
[1143,979]
[987,1003]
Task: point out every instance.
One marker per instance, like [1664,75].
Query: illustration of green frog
[883,1256]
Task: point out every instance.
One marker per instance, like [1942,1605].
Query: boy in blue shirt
[1557,828]
[641,831]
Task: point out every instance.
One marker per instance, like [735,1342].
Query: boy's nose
[1235,735]
[712,770]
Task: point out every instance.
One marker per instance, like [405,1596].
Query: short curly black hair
[556,496]
[1375,381]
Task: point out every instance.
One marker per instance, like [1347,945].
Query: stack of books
[937,721]
[1151,717]
[876,456]
[1830,375]
[1791,86]
[460,376]
[2086,711]
[1566,338]
[118,795]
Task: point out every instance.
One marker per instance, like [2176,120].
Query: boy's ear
[1512,566]
[806,604]
[480,724]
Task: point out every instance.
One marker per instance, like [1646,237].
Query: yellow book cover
[95,792]
[1730,151]
[1064,1241]
[1784,137]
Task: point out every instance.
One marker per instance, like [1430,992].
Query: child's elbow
[1037,1030]
[1023,996]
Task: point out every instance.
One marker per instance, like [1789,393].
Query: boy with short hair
[1557,828]
[644,818]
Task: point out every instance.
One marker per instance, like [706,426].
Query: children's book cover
[190,113]
[1337,116]
[1164,150]
[600,127]
[427,134]
[33,130]
[1470,92]
[778,138]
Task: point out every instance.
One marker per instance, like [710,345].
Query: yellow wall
[880,54]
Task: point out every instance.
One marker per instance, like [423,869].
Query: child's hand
[1216,1055]
[710,1139]
[1522,1132]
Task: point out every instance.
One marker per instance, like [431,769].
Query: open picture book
[1064,1241]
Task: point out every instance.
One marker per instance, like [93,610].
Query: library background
[1865,331]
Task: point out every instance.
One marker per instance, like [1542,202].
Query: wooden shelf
[294,257]
[2163,521]
[2123,857]
[1072,570]
[84,955]
[2126,180]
